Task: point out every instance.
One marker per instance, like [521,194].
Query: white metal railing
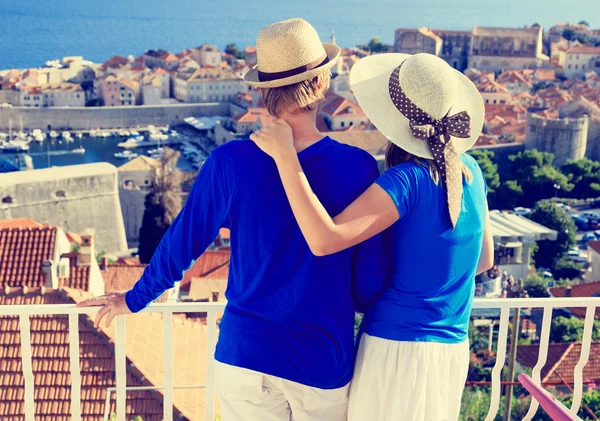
[504,305]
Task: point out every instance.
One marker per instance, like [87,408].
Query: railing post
[25,330]
[511,362]
[168,364]
[74,365]
[583,358]
[500,359]
[210,364]
[542,358]
[120,367]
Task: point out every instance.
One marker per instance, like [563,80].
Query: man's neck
[304,128]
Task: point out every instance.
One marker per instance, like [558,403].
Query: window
[569,66]
[576,66]
[494,101]
[342,125]
[60,193]
[7,199]
[502,101]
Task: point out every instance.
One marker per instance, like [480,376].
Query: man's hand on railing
[112,304]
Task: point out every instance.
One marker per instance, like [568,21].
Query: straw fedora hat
[426,80]
[289,52]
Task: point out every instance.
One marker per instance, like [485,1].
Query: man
[286,349]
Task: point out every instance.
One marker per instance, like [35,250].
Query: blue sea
[34,31]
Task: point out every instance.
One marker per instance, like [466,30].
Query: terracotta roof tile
[22,252]
[562,359]
[589,289]
[212,264]
[50,349]
[20,223]
[121,277]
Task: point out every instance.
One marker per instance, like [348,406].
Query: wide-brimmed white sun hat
[429,83]
[290,52]
[426,108]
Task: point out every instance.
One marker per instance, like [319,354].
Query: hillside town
[71,232]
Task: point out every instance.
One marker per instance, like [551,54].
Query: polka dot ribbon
[438,135]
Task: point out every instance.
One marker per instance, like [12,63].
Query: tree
[549,252]
[490,172]
[568,34]
[534,172]
[584,174]
[376,46]
[584,22]
[509,195]
[570,329]
[537,287]
[162,204]
[233,49]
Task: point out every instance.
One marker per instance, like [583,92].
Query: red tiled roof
[73,237]
[201,289]
[254,114]
[20,223]
[562,359]
[583,49]
[22,252]
[213,264]
[595,245]
[51,366]
[589,289]
[121,277]
[339,105]
[489,86]
[79,276]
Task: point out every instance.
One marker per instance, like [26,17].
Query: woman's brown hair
[395,155]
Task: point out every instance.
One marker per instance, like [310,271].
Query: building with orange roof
[527,100]
[161,58]
[250,55]
[207,55]
[118,92]
[587,289]
[420,40]
[341,113]
[494,93]
[30,96]
[63,95]
[515,81]
[207,84]
[554,96]
[252,120]
[507,112]
[36,255]
[562,358]
[580,59]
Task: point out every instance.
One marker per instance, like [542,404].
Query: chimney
[215,296]
[86,250]
[568,291]
[104,262]
[49,273]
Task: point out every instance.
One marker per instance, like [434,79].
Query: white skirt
[408,381]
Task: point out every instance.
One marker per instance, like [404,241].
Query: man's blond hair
[298,97]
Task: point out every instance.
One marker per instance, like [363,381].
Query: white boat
[93,133]
[14,146]
[126,155]
[105,134]
[3,135]
[129,143]
[174,133]
[53,134]
[165,129]
[80,150]
[138,138]
[158,137]
[134,133]
[67,136]
[79,135]
[155,151]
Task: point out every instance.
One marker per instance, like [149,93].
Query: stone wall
[86,118]
[73,198]
[565,138]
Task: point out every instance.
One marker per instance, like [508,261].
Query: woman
[413,355]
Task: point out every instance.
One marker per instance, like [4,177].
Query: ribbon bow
[438,134]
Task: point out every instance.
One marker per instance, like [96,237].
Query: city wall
[86,118]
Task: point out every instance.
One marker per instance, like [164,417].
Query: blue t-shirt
[289,313]
[431,277]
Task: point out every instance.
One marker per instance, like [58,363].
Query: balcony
[200,398]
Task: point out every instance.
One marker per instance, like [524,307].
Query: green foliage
[358,317]
[584,22]
[549,252]
[474,405]
[490,172]
[376,46]
[162,205]
[585,176]
[233,49]
[570,329]
[567,269]
[569,34]
[537,286]
[509,195]
[534,173]
[478,338]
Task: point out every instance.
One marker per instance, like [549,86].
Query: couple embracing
[317,234]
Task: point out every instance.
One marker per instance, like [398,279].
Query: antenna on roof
[474,22]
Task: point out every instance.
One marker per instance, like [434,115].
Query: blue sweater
[289,313]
